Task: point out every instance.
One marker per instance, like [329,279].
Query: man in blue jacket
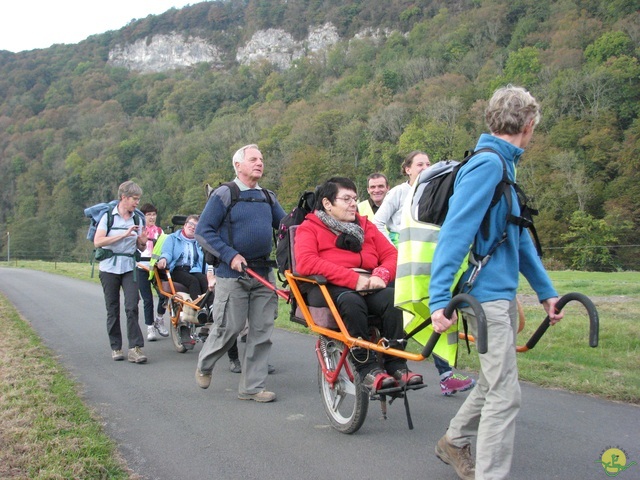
[489,412]
[241,235]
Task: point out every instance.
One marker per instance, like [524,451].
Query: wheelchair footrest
[394,392]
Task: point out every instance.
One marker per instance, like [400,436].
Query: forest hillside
[398,75]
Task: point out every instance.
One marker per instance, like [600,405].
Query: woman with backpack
[118,272]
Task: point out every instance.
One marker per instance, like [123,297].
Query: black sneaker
[203,315]
[234,366]
[185,337]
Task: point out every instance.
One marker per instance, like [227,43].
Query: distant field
[562,358]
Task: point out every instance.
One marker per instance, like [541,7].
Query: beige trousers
[489,412]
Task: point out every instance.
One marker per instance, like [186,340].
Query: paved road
[168,428]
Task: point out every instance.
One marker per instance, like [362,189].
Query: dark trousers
[146,293]
[196,283]
[355,310]
[111,285]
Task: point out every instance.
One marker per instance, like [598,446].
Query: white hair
[238,157]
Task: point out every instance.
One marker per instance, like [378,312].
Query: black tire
[177,340]
[345,404]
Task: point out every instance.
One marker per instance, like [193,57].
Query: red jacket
[316,252]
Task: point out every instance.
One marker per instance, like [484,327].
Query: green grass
[46,431]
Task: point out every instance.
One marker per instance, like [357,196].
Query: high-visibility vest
[416,246]
[157,253]
[365,210]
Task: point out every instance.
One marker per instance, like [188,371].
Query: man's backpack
[283,239]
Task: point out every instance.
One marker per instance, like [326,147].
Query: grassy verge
[46,432]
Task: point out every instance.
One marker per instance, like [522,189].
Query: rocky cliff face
[168,52]
[164,52]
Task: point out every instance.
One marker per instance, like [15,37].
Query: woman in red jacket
[358,263]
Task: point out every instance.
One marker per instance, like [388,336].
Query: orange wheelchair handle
[481,341]
[594,322]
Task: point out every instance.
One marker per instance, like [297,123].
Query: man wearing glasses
[241,235]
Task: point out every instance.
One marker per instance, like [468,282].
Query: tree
[589,241]
[610,44]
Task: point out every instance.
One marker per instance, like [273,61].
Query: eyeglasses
[191,224]
[348,199]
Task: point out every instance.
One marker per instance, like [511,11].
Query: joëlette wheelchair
[186,328]
[344,397]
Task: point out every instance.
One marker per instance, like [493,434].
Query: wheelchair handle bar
[594,322]
[481,341]
[284,294]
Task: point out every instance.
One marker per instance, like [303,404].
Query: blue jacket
[173,250]
[473,191]
[247,229]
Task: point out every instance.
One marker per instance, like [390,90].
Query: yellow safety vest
[365,210]
[416,246]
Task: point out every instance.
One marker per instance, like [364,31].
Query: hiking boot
[376,380]
[136,355]
[203,379]
[458,457]
[271,369]
[456,383]
[152,335]
[405,376]
[117,355]
[261,397]
[234,366]
[159,324]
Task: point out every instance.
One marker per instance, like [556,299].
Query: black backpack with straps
[283,238]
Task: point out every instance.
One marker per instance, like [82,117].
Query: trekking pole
[481,341]
[594,322]
[284,294]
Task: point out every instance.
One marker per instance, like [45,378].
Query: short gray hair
[510,109]
[238,157]
[129,189]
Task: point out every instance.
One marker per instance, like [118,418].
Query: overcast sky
[30,24]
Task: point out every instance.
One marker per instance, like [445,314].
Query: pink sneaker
[456,383]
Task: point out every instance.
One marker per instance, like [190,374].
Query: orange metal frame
[342,334]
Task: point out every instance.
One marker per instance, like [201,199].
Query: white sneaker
[159,325]
[152,336]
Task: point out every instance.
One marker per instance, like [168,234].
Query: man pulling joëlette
[243,236]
